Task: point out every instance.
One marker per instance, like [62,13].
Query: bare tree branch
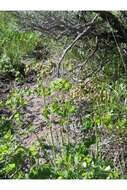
[114,22]
[84,32]
[87,59]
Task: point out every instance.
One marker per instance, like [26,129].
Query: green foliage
[15,100]
[14,44]
[60,106]
[72,105]
[60,84]
[75,163]
[88,123]
[41,172]
[63,110]
[112,104]
[13,156]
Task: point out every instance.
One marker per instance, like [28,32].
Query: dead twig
[87,59]
[85,31]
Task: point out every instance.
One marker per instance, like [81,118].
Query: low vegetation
[63,95]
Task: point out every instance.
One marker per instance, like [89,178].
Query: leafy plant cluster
[14,43]
[15,158]
[88,113]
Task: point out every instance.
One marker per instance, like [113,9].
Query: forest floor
[32,115]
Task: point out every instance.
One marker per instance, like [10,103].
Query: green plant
[15,44]
[74,164]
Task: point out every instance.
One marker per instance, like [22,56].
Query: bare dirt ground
[32,116]
[113,149]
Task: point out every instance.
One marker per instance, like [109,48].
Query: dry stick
[99,67]
[85,31]
[91,55]
[87,59]
[76,28]
[41,145]
[117,45]
[83,63]
[60,145]
[53,145]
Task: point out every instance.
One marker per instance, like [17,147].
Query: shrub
[14,43]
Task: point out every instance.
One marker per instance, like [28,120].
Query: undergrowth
[89,113]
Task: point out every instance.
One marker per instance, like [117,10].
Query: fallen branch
[87,59]
[95,71]
[85,31]
[90,56]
